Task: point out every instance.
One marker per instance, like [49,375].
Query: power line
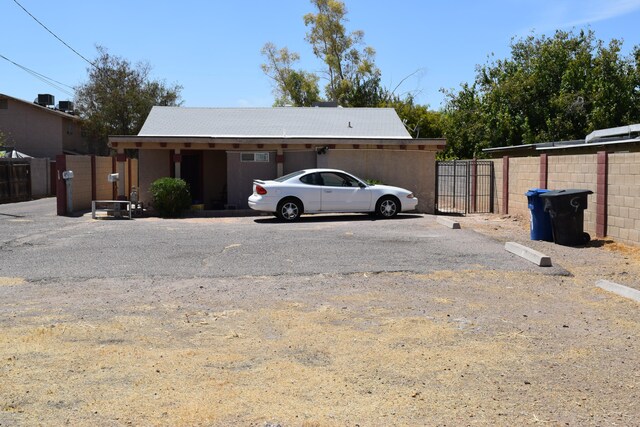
[48,80]
[53,34]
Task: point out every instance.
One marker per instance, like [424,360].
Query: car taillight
[261,190]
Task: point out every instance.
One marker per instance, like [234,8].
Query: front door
[191,172]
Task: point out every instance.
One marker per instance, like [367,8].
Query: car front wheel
[387,207]
[289,210]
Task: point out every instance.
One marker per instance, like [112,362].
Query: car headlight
[410,196]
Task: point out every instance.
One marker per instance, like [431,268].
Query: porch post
[121,159]
[177,158]
[280,162]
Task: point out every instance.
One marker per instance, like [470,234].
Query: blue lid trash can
[540,219]
[566,208]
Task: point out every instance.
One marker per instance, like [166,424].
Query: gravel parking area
[331,321]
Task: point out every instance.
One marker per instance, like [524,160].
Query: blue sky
[212,47]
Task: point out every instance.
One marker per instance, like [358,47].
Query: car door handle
[328,191]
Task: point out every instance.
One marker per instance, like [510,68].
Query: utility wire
[48,80]
[53,34]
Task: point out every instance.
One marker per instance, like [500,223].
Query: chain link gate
[464,186]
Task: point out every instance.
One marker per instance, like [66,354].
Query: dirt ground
[476,347]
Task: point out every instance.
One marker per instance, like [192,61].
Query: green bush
[170,196]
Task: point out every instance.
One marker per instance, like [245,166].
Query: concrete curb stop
[529,254]
[623,291]
[448,222]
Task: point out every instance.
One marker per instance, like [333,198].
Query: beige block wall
[81,184]
[578,171]
[623,213]
[391,167]
[524,174]
[153,164]
[104,188]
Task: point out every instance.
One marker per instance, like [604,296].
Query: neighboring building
[618,139]
[220,151]
[38,130]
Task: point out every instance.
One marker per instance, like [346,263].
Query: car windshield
[289,176]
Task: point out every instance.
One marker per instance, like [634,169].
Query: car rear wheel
[387,207]
[289,210]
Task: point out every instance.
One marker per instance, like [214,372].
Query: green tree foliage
[118,97]
[291,87]
[348,64]
[550,89]
[353,79]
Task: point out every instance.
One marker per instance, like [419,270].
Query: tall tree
[291,87]
[348,64]
[551,88]
[118,97]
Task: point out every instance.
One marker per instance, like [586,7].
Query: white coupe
[327,190]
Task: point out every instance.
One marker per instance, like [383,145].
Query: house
[39,131]
[220,151]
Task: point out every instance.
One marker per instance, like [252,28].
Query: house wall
[298,160]
[390,167]
[215,179]
[31,129]
[240,176]
[153,164]
[71,135]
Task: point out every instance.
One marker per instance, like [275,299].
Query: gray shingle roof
[287,122]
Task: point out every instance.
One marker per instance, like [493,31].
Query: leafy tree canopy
[353,80]
[553,88]
[118,97]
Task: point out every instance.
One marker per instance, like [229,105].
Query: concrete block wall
[614,208]
[81,184]
[579,171]
[623,216]
[104,188]
[89,181]
[524,174]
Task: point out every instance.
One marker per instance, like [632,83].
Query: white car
[327,190]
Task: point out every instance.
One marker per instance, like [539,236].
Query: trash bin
[566,208]
[540,220]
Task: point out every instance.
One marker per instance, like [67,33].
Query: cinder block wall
[623,219]
[81,184]
[104,188]
[578,171]
[524,174]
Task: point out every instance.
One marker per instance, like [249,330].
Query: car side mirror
[361,185]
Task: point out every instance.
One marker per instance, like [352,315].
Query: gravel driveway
[335,320]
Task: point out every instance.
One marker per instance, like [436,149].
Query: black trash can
[566,208]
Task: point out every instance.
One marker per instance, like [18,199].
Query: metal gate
[464,186]
[15,182]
